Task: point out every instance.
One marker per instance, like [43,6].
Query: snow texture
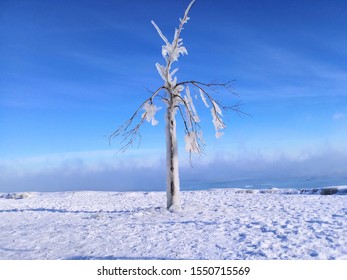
[213,224]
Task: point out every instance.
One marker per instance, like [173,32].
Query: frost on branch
[166,75]
[192,120]
[191,140]
[216,119]
[203,98]
[149,113]
[192,115]
[172,51]
[161,71]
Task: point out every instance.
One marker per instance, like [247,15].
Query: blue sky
[72,71]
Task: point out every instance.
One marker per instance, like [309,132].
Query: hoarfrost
[161,71]
[172,51]
[149,113]
[202,95]
[191,111]
[192,142]
[216,119]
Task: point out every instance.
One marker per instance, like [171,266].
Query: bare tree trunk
[172,176]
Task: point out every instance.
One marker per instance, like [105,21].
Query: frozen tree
[177,96]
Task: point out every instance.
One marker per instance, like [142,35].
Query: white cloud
[98,170]
[145,170]
[87,160]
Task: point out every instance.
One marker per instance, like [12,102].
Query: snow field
[213,224]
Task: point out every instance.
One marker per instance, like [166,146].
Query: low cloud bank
[145,171]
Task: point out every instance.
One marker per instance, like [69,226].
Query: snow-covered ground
[213,224]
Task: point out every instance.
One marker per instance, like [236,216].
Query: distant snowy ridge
[331,190]
[15,195]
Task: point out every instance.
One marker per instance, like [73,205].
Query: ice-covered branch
[216,107]
[149,113]
[130,131]
[160,33]
[171,51]
[194,143]
[190,119]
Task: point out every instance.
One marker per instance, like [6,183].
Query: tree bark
[172,176]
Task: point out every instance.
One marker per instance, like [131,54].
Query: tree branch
[211,85]
[125,131]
